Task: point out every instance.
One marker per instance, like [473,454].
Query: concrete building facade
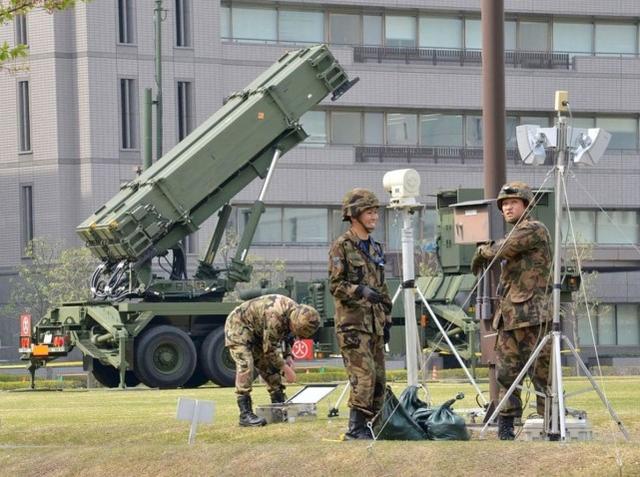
[71,121]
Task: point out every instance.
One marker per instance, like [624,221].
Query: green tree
[9,9]
[53,274]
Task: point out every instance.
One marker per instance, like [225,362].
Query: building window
[191,243]
[315,124]
[128,113]
[400,31]
[627,325]
[225,23]
[372,30]
[26,216]
[344,29]
[617,227]
[183,23]
[346,128]
[24,117]
[259,24]
[20,24]
[289,225]
[533,36]
[185,109]
[304,27]
[402,129]
[435,32]
[373,128]
[441,130]
[126,21]
[616,39]
[613,324]
[624,132]
[473,34]
[573,37]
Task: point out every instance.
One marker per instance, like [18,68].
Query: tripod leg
[596,388]
[334,411]
[509,392]
[453,349]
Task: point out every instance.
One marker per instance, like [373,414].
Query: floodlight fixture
[404,186]
[533,142]
[590,146]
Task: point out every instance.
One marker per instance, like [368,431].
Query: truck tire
[165,357]
[197,379]
[216,361]
[109,376]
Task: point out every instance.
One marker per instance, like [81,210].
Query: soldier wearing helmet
[363,307]
[525,310]
[255,334]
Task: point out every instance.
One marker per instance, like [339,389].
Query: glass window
[400,31]
[430,220]
[628,324]
[305,225]
[314,123]
[307,27]
[128,114]
[573,37]
[584,329]
[440,130]
[624,132]
[510,28]
[269,228]
[254,24]
[402,129]
[183,23]
[26,216]
[225,22]
[371,30]
[20,24]
[606,325]
[24,117]
[617,226]
[542,121]
[435,32]
[583,227]
[125,21]
[615,39]
[473,131]
[510,132]
[473,34]
[533,36]
[345,29]
[346,128]
[585,123]
[373,128]
[185,109]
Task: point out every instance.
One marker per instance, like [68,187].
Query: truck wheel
[165,357]
[197,379]
[216,361]
[109,376]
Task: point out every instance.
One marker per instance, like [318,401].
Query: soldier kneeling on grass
[255,333]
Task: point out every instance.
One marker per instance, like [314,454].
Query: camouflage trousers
[249,360]
[513,349]
[363,356]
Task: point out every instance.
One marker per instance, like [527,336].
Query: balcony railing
[444,56]
[431,154]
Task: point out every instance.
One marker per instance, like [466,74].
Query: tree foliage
[9,9]
[52,275]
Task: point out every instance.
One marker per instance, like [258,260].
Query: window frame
[185,108]
[23,116]
[126,18]
[21,32]
[129,140]
[27,221]
[182,19]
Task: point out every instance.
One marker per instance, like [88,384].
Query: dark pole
[494,149]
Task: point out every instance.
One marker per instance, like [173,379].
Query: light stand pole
[554,419]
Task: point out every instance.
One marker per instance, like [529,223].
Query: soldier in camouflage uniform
[254,334]
[363,307]
[525,308]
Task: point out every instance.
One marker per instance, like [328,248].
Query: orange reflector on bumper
[40,350]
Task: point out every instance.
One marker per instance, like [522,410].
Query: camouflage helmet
[515,190]
[304,321]
[357,201]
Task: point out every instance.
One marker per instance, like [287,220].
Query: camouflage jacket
[349,267]
[262,324]
[525,277]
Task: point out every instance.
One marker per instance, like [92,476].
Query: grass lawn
[121,433]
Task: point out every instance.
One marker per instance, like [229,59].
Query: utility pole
[493,148]
[158,77]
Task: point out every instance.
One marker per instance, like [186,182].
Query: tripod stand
[554,421]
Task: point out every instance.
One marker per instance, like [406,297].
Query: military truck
[167,331]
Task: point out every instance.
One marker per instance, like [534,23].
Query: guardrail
[430,154]
[446,56]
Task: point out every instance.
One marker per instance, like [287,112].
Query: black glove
[368,294]
[386,333]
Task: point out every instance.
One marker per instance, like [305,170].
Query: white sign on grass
[196,411]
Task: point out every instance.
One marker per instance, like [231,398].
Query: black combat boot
[278,397]
[505,428]
[357,426]
[247,417]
